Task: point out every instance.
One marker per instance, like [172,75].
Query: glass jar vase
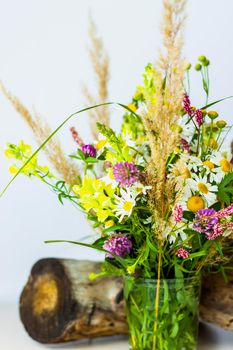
[162,315]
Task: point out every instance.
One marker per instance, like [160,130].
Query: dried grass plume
[53,150]
[100,64]
[164,108]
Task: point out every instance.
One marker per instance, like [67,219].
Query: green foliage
[177,321]
[114,141]
[225,189]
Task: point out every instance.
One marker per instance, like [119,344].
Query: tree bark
[217,300]
[60,303]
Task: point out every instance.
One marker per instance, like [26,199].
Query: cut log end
[59,302]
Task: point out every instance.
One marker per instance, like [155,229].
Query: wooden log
[217,300]
[60,303]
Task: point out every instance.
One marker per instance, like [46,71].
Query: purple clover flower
[182,253]
[205,220]
[118,245]
[126,173]
[89,150]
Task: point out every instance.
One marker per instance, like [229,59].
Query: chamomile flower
[223,165]
[210,170]
[194,163]
[187,129]
[124,203]
[109,179]
[139,188]
[203,187]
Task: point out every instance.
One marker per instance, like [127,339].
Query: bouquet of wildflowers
[160,193]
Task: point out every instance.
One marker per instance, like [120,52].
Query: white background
[43,61]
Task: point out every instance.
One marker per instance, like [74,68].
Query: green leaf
[197,254]
[225,189]
[215,102]
[178,272]
[122,261]
[175,330]
[55,132]
[116,228]
[219,248]
[99,243]
[188,215]
[151,246]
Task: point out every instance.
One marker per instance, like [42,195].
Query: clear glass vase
[162,315]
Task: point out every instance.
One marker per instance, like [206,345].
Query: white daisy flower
[128,138]
[139,188]
[109,179]
[200,184]
[210,170]
[124,204]
[187,129]
[172,235]
[194,163]
[223,164]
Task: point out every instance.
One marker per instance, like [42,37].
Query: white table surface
[13,337]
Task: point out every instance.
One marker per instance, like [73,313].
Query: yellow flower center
[225,165]
[186,174]
[128,206]
[195,203]
[202,187]
[209,164]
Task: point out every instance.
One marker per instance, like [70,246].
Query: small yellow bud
[206,63]
[221,124]
[195,203]
[212,115]
[202,58]
[188,65]
[198,67]
[131,269]
[211,128]
[13,169]
[203,111]
[213,144]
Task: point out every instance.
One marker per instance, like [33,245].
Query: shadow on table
[82,344]
[210,336]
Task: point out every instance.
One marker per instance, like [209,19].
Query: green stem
[157,301]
